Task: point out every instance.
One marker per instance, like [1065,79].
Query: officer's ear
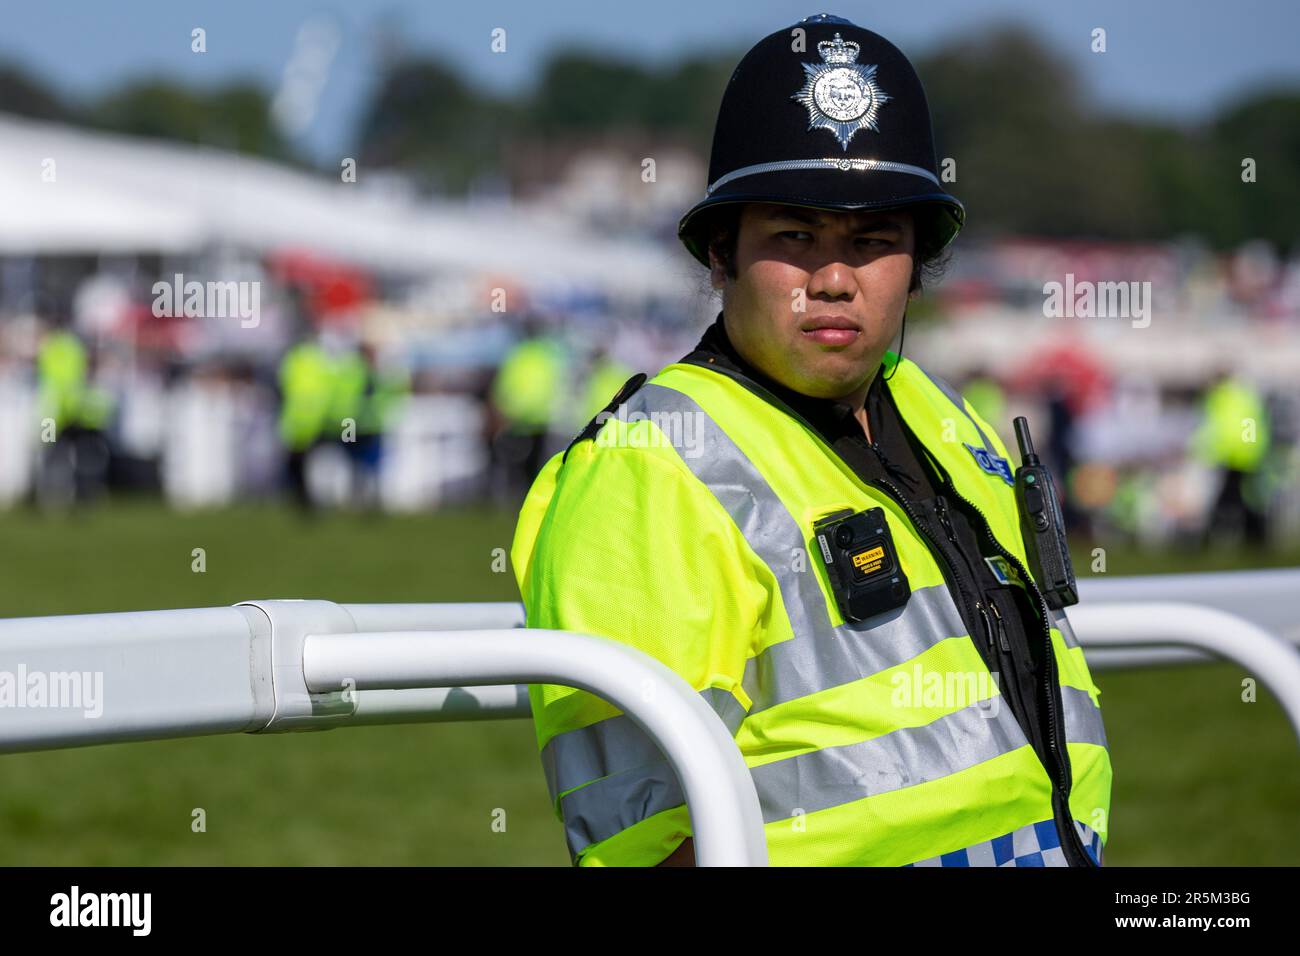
[717,269]
[724,236]
[920,253]
[722,258]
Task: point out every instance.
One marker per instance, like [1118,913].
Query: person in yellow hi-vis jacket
[528,395]
[75,414]
[1234,438]
[367,397]
[307,381]
[605,376]
[815,533]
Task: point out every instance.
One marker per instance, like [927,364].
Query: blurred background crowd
[423,312]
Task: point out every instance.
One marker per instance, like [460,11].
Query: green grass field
[1200,777]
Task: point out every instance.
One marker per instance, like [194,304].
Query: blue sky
[1172,58]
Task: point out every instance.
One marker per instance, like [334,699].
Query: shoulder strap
[593,426]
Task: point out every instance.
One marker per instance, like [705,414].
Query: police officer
[75,465]
[816,534]
[1233,438]
[307,386]
[367,392]
[527,394]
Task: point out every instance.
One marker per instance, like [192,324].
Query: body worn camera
[861,563]
[1042,526]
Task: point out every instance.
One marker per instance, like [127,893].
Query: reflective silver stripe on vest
[616,744]
[844,164]
[726,706]
[612,804]
[820,655]
[630,778]
[797,668]
[1083,724]
[1062,624]
[808,782]
[902,758]
[955,397]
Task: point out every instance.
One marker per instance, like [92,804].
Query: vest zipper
[941,509]
[1006,663]
[988,628]
[1002,631]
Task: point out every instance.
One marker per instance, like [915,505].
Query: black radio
[1042,526]
[861,563]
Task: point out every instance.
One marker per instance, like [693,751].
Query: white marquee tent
[70,190]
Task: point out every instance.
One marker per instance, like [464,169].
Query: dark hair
[928,263]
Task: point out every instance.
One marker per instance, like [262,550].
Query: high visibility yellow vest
[684,529]
[66,393]
[369,397]
[307,391]
[61,365]
[347,395]
[1234,432]
[530,384]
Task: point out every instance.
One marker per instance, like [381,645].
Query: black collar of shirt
[895,456]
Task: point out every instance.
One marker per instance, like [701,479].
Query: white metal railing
[1270,660]
[269,666]
[726,819]
[1269,599]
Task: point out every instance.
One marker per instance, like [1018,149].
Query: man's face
[818,295]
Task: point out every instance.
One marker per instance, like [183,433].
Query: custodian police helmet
[828,115]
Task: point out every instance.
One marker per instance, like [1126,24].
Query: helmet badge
[841,94]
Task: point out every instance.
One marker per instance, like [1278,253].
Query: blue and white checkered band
[993,464]
[1034,845]
[841,94]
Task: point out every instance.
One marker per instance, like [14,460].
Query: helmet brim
[829,189]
